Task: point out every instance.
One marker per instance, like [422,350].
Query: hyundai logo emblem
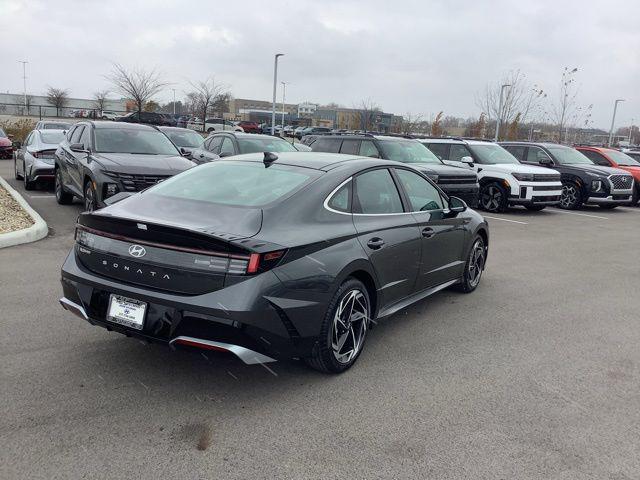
[137,251]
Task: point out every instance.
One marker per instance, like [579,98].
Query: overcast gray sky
[408,56]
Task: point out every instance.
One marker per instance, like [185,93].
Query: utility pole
[500,111]
[174,100]
[275,83]
[630,130]
[24,81]
[613,119]
[284,90]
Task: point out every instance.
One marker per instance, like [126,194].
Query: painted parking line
[505,220]
[41,196]
[579,214]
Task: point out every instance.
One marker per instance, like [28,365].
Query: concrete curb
[35,232]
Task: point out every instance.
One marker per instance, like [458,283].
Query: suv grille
[456,180]
[546,177]
[136,183]
[621,182]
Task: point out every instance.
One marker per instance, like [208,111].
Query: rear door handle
[428,232]
[376,243]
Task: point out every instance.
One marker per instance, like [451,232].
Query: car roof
[120,125]
[538,144]
[166,128]
[317,160]
[245,135]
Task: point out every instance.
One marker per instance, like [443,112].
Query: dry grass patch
[12,216]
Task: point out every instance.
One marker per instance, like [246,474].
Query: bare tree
[58,97]
[138,85]
[100,99]
[206,94]
[566,102]
[436,125]
[519,98]
[367,109]
[411,123]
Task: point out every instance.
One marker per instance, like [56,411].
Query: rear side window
[329,145]
[214,144]
[244,184]
[376,193]
[595,157]
[440,149]
[350,147]
[341,200]
[457,152]
[369,149]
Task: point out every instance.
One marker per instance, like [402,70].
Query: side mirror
[78,148]
[457,205]
[184,152]
[546,161]
[467,160]
[225,154]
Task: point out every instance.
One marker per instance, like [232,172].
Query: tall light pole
[284,90]
[500,111]
[24,81]
[613,119]
[174,100]
[275,83]
[630,130]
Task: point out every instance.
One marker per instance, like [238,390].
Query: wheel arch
[361,270]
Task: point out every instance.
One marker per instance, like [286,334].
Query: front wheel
[493,197]
[571,197]
[62,196]
[474,266]
[15,170]
[344,329]
[28,184]
[90,200]
[635,198]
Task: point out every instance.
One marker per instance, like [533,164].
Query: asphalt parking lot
[534,375]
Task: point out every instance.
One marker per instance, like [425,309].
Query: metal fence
[49,111]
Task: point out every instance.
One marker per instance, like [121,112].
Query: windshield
[568,156]
[492,154]
[151,142]
[52,136]
[268,144]
[185,138]
[408,151]
[623,159]
[56,126]
[245,184]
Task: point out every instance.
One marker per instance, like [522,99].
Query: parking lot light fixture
[613,119]
[275,84]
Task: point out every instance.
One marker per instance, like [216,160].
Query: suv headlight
[597,186]
[523,177]
[110,189]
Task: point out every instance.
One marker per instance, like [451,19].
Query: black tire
[535,208]
[323,357]
[476,259]
[15,170]
[90,197]
[62,196]
[571,198]
[493,197]
[28,184]
[635,198]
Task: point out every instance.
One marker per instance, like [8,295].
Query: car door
[537,156]
[227,148]
[387,233]
[74,159]
[442,233]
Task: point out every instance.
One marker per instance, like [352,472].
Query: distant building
[260,110]
[13,103]
[307,109]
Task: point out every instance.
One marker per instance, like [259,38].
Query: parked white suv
[214,125]
[504,181]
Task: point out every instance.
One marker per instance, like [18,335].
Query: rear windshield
[244,184]
[137,141]
[52,136]
[268,144]
[408,151]
[56,126]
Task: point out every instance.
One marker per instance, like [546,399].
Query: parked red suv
[6,145]
[250,127]
[614,158]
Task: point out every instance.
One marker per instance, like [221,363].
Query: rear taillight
[260,262]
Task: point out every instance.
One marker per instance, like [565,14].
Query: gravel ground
[12,216]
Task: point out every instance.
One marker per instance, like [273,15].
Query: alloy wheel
[491,198]
[350,324]
[89,199]
[569,196]
[58,185]
[476,263]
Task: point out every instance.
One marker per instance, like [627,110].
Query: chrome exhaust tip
[74,308]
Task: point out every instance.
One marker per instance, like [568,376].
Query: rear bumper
[244,319]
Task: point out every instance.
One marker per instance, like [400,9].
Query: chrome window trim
[351,214]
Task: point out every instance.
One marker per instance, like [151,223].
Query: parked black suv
[454,181]
[148,118]
[99,159]
[583,182]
